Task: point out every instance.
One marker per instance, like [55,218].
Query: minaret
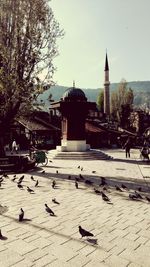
[106,89]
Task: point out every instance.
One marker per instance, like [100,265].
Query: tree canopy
[28,45]
[121,101]
[28,35]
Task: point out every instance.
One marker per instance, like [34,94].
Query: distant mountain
[141,91]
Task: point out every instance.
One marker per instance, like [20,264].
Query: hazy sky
[92,26]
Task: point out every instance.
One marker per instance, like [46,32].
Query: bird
[57,171]
[53,184]
[21,215]
[118,188]
[29,189]
[36,184]
[78,167]
[124,186]
[55,201]
[139,189]
[20,186]
[48,210]
[147,198]
[14,176]
[50,161]
[93,171]
[104,197]
[21,179]
[32,178]
[133,196]
[84,232]
[13,179]
[81,177]
[19,182]
[81,168]
[76,185]
[5,175]
[97,191]
[103,181]
[43,172]
[138,195]
[105,188]
[1,236]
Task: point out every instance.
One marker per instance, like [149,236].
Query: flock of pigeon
[103,186]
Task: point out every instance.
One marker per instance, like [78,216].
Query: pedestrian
[127,147]
[14,146]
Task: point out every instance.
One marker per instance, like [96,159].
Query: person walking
[14,146]
[127,147]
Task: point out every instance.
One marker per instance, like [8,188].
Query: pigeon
[5,175]
[36,184]
[13,179]
[55,201]
[147,198]
[124,186]
[105,198]
[139,189]
[53,184]
[21,215]
[78,167]
[118,188]
[29,189]
[19,182]
[138,195]
[1,236]
[21,179]
[32,178]
[133,196]
[97,191]
[81,177]
[20,186]
[76,185]
[49,210]
[84,232]
[105,188]
[103,182]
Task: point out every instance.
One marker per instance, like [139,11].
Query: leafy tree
[28,35]
[100,101]
[121,102]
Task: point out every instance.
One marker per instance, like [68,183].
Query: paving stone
[9,257]
[115,261]
[21,247]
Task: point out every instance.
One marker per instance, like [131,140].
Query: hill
[141,91]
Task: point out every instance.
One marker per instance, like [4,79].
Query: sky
[92,26]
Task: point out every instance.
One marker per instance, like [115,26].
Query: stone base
[73,146]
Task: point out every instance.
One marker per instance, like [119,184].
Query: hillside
[141,91]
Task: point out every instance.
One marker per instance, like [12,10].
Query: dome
[74,94]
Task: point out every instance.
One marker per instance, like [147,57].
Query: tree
[100,101]
[121,102]
[28,35]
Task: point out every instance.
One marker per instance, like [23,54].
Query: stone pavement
[121,230]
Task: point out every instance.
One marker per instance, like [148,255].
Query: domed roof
[74,94]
